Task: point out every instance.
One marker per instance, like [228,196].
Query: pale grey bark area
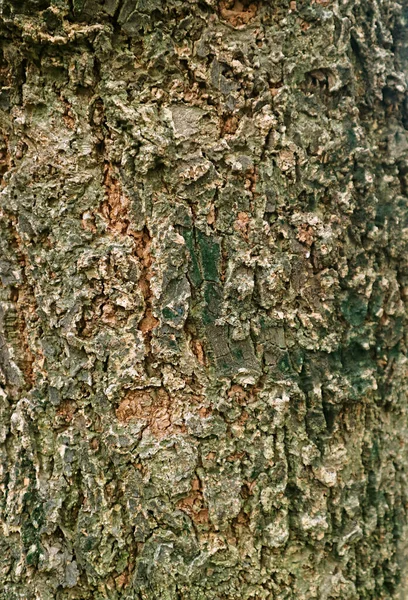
[203,326]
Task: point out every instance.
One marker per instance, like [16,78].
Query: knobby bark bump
[204,283]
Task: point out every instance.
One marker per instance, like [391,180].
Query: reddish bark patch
[275,87]
[151,405]
[122,580]
[205,411]
[148,321]
[66,411]
[251,181]
[115,207]
[242,224]
[198,350]
[237,12]
[25,305]
[25,311]
[68,116]
[229,125]
[194,505]
[212,215]
[5,160]
[305,235]
[235,456]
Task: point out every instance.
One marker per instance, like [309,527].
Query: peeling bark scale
[203,301]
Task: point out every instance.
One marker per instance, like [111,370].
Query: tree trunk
[204,266]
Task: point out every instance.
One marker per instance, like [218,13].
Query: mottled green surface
[204,266]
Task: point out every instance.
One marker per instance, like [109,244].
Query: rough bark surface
[204,266]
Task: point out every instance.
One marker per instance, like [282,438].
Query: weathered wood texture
[204,268]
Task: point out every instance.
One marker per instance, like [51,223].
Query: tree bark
[204,268]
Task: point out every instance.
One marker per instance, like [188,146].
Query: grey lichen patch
[186,120]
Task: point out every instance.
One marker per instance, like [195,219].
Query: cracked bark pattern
[203,302]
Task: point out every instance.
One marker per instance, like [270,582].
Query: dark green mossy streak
[354,309]
[210,256]
[194,265]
